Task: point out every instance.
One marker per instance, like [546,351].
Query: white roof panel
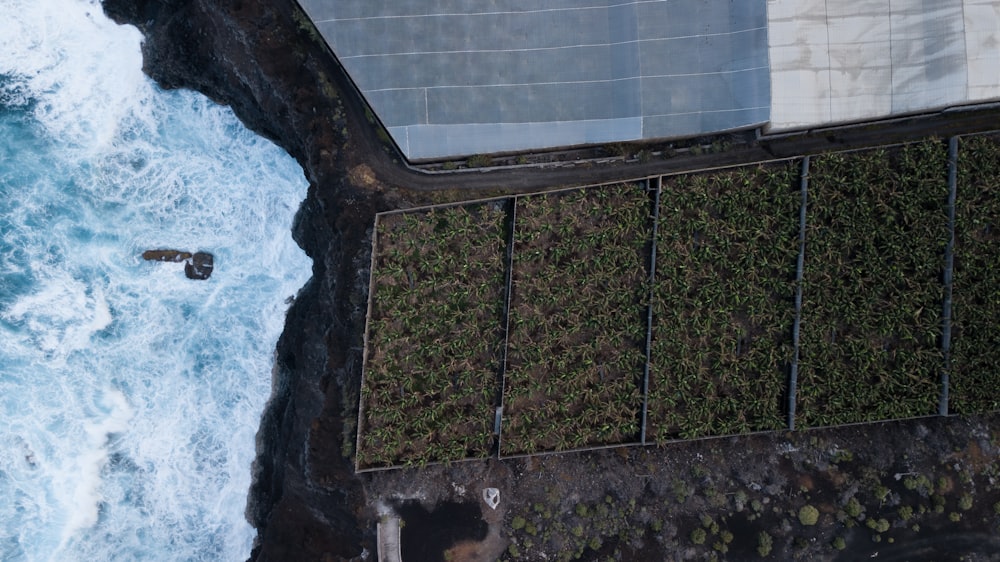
[982,47]
[854,60]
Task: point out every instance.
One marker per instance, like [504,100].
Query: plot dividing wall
[459,77]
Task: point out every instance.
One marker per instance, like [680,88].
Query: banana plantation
[975,383]
[871,310]
[576,343]
[435,336]
[843,288]
[727,244]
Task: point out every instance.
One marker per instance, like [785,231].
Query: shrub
[478,161]
[853,508]
[518,523]
[965,502]
[839,543]
[878,525]
[905,512]
[938,501]
[764,544]
[698,536]
[808,515]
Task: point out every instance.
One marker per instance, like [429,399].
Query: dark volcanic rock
[200,267]
[166,255]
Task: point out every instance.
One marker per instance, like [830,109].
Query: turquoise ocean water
[129,395]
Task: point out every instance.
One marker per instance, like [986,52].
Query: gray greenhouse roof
[459,77]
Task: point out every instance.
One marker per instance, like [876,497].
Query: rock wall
[260,58]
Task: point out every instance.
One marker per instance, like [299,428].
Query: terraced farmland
[435,337]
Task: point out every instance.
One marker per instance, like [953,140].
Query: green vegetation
[478,161]
[698,536]
[435,336]
[722,304]
[871,312]
[577,320]
[808,515]
[764,544]
[723,308]
[975,367]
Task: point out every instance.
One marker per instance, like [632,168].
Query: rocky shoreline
[255,57]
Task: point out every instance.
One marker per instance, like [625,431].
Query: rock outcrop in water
[200,266]
[174,256]
[197,266]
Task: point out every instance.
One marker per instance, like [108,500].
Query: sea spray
[129,395]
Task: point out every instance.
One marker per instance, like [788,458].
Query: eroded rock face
[200,267]
[166,255]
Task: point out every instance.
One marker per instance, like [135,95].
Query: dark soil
[646,503]
[306,502]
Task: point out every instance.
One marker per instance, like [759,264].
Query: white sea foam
[88,68]
[129,395]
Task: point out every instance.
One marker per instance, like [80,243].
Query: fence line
[421,465]
[649,309]
[574,450]
[364,348]
[949,270]
[498,422]
[425,208]
[793,378]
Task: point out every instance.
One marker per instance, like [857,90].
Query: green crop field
[577,320]
[565,352]
[872,293]
[435,336]
[975,373]
[723,305]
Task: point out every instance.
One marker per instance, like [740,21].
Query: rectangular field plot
[435,336]
[723,302]
[975,352]
[872,293]
[577,320]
